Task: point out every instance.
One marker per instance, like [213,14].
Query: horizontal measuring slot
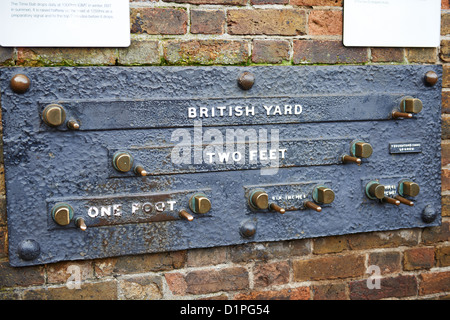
[266,154]
[182,112]
[126,209]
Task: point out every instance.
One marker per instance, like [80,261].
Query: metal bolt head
[247,229]
[29,249]
[410,189]
[431,78]
[323,195]
[259,200]
[62,213]
[199,203]
[246,80]
[362,150]
[20,83]
[411,105]
[374,190]
[122,161]
[54,115]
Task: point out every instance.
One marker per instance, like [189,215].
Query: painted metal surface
[194,129]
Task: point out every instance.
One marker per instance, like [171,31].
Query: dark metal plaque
[152,159]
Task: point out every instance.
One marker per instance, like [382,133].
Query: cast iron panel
[195,130]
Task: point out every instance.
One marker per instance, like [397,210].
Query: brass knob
[140,171]
[259,199]
[199,203]
[122,161]
[374,190]
[312,205]
[323,195]
[361,149]
[80,223]
[391,201]
[411,105]
[62,213]
[347,158]
[408,188]
[73,125]
[185,215]
[277,208]
[54,115]
[404,201]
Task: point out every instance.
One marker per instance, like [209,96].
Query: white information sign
[64,23]
[392,23]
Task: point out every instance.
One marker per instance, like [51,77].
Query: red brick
[329,292]
[445,180]
[329,51]
[421,55]
[445,126]
[387,261]
[301,293]
[258,2]
[445,202]
[158,20]
[418,258]
[208,281]
[396,287]
[325,22]
[387,54]
[332,244]
[444,53]
[434,282]
[327,268]
[206,256]
[20,277]
[269,274]
[386,239]
[436,234]
[317,3]
[208,21]
[206,52]
[443,256]
[446,76]
[445,101]
[285,22]
[270,250]
[176,282]
[224,2]
[270,51]
[445,4]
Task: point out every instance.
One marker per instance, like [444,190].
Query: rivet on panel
[20,83]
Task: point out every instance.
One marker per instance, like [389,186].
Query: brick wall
[414,263]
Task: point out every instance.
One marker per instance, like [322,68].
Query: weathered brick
[208,281]
[387,54]
[445,204]
[421,55]
[445,4]
[434,282]
[270,51]
[224,2]
[329,291]
[20,277]
[3,242]
[205,257]
[301,293]
[445,180]
[7,56]
[436,234]
[158,20]
[259,2]
[444,53]
[105,290]
[285,22]
[328,268]
[141,288]
[176,282]
[418,258]
[140,263]
[3,210]
[208,21]
[332,244]
[387,261]
[445,134]
[325,22]
[328,51]
[445,23]
[443,256]
[395,287]
[206,52]
[35,57]
[384,239]
[62,271]
[140,52]
[316,3]
[268,274]
[266,251]
[445,101]
[446,76]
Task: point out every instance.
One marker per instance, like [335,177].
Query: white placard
[392,23]
[64,23]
